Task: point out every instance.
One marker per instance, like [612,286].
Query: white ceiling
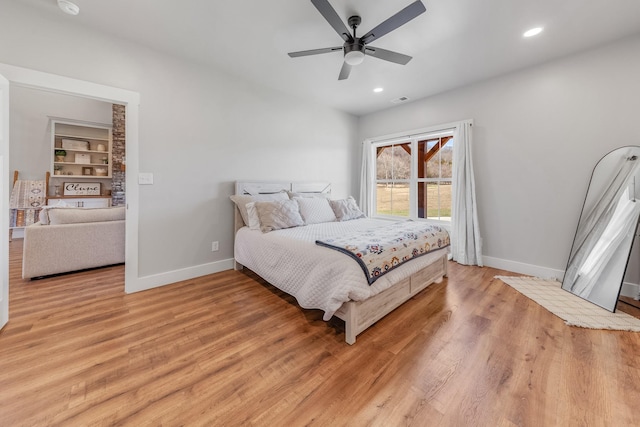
[456,42]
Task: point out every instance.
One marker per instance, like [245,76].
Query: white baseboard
[628,289]
[155,280]
[18,233]
[631,290]
[522,268]
[166,278]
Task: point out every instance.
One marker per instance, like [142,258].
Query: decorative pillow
[43,217]
[81,215]
[346,209]
[315,210]
[252,214]
[278,214]
[241,201]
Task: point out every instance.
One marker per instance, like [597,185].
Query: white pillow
[241,201]
[278,214]
[315,210]
[346,209]
[252,214]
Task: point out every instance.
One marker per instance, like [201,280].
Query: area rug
[574,310]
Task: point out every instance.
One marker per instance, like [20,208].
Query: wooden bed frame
[357,315]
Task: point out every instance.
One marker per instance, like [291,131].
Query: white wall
[30,131]
[538,133]
[200,130]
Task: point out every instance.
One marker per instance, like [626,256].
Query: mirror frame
[626,251]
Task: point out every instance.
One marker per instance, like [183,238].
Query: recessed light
[378,89]
[67,7]
[532,32]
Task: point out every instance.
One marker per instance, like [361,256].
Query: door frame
[69,86]
[4,205]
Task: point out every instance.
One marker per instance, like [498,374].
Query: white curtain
[366,178]
[465,233]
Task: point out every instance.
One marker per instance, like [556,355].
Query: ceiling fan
[355,48]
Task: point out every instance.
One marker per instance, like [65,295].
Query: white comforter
[316,276]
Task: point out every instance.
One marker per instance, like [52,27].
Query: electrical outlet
[214,246]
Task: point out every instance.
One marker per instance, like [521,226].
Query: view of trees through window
[431,180]
[393,172]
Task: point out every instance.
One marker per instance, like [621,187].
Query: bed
[317,276]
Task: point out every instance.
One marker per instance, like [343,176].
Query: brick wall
[118,156]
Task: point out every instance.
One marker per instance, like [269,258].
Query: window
[393,179]
[413,176]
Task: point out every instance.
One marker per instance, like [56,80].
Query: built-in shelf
[85,145]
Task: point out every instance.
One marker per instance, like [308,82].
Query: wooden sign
[81,189]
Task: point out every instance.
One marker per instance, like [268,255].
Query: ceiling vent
[399,100]
[68,7]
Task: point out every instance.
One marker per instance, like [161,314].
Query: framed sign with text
[82,189]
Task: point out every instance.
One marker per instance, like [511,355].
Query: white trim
[631,290]
[59,84]
[522,268]
[413,137]
[386,142]
[160,279]
[416,132]
[4,203]
[66,85]
[67,121]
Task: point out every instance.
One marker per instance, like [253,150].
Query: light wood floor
[227,350]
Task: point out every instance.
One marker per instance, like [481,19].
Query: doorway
[18,76]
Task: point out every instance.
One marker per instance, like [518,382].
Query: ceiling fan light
[354,57]
[68,7]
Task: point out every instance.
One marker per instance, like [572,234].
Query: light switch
[145,178]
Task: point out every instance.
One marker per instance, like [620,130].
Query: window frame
[427,137]
[375,181]
[413,138]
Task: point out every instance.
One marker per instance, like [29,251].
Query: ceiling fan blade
[314,51]
[345,71]
[333,19]
[397,20]
[387,55]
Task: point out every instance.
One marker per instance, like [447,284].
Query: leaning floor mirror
[606,229]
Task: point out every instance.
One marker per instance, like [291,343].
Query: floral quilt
[381,249]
